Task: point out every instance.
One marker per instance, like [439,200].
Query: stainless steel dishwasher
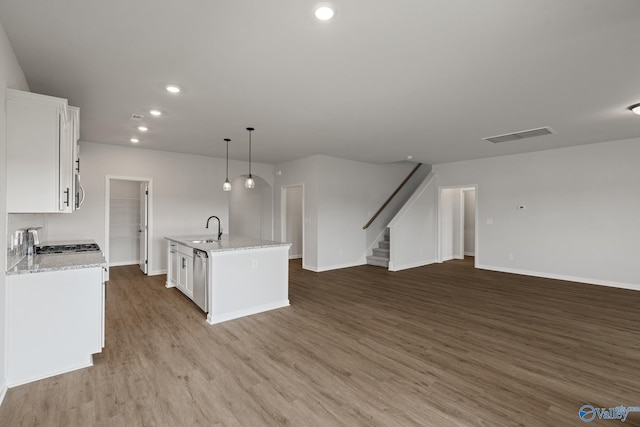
[200,279]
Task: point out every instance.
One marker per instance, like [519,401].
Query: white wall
[187,189]
[414,230]
[293,231]
[11,76]
[340,197]
[582,212]
[251,209]
[124,222]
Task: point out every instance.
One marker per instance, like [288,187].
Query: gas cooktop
[67,249]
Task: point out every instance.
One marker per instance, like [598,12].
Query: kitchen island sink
[244,276]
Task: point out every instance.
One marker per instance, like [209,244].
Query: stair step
[378,261]
[383,253]
[384,244]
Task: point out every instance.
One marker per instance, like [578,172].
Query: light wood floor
[443,345]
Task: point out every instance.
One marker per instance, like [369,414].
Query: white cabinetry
[185,276]
[41,140]
[173,267]
[180,268]
[73,114]
[55,322]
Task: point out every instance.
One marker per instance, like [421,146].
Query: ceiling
[382,81]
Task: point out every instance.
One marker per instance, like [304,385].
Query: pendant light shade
[227,185]
[250,182]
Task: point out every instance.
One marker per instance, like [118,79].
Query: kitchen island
[244,276]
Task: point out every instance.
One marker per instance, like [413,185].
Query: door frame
[144,248]
[460,223]
[107,207]
[283,214]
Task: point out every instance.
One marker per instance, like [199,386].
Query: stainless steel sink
[204,241]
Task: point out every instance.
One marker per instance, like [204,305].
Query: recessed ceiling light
[635,108]
[143,128]
[409,157]
[324,11]
[173,89]
[134,140]
[156,113]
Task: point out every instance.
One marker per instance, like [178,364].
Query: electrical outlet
[510,257]
[254,263]
[489,221]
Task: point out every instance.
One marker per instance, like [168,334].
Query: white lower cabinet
[180,268]
[173,265]
[185,277]
[55,322]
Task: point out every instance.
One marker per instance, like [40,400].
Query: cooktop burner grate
[67,249]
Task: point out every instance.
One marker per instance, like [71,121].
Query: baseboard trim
[122,263]
[469,254]
[3,393]
[412,265]
[310,268]
[586,280]
[156,272]
[295,256]
[52,374]
[212,320]
[339,266]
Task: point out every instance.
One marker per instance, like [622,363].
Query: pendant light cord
[250,130]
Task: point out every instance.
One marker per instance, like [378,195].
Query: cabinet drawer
[185,250]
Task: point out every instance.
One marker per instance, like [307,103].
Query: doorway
[457,219]
[127,221]
[292,218]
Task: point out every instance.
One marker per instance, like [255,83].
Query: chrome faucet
[219,229]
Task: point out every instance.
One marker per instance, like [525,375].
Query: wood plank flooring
[442,345]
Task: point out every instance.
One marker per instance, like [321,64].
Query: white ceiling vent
[136,117]
[520,135]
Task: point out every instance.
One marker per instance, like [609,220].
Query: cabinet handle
[184,263]
[78,167]
[67,193]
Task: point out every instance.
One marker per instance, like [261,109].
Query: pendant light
[227,185]
[250,182]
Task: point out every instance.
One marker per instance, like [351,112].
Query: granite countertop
[227,243]
[55,262]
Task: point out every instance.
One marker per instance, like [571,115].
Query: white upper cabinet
[41,141]
[74,135]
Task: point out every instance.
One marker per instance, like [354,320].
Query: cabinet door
[185,277]
[36,126]
[188,285]
[74,134]
[174,267]
[54,322]
[67,202]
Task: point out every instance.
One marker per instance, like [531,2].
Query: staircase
[380,255]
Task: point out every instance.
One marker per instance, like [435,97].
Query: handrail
[384,205]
